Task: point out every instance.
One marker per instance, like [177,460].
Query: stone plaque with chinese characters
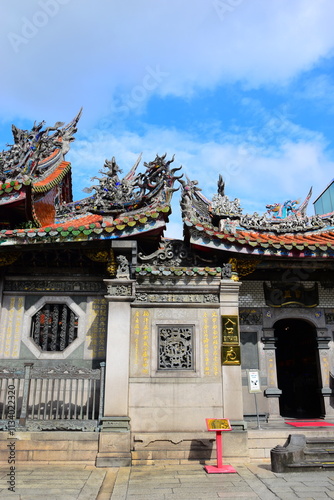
[96,328]
[11,327]
[230,328]
[140,343]
[211,343]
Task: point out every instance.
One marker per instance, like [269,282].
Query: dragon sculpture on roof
[288,208]
[114,194]
[227,215]
[26,158]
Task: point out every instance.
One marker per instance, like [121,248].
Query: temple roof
[284,231]
[90,227]
[36,205]
[35,154]
[34,175]
[36,201]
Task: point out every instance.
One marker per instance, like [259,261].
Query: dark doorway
[298,369]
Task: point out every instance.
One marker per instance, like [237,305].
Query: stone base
[186,447]
[110,460]
[115,424]
[51,447]
[114,449]
[275,419]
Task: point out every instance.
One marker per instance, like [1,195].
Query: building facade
[116,336]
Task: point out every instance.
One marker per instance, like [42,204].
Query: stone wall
[50,447]
[176,399]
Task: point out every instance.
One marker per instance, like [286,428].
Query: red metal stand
[219,468]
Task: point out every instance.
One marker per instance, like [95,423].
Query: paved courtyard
[186,482]
[193,483]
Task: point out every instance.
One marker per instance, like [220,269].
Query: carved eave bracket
[105,256]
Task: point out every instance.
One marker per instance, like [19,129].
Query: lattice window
[176,350]
[54,327]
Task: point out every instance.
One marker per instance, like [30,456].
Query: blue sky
[242,88]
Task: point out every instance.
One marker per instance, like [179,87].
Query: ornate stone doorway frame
[269,341]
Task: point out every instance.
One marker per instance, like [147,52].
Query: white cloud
[257,175]
[112,56]
[92,54]
[319,90]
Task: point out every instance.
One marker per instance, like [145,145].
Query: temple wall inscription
[11,326]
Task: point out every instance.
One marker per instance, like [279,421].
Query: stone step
[310,466]
[303,454]
[323,442]
[319,454]
[314,451]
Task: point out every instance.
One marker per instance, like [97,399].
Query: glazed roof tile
[318,243]
[53,178]
[89,226]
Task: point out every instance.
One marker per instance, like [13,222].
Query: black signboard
[291,294]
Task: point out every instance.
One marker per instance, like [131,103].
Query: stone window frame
[27,322]
[177,373]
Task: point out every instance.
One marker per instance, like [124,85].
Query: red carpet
[319,423]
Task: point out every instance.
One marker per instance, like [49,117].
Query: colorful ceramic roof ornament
[284,230]
[34,176]
[36,193]
[288,208]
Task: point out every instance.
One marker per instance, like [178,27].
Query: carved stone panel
[175,345]
[48,286]
[250,316]
[173,298]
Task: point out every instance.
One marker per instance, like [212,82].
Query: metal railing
[58,393]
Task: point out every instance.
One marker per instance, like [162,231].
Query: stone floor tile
[312,494]
[47,497]
[9,496]
[306,497]
[192,495]
[142,491]
[166,482]
[312,487]
[39,492]
[237,494]
[287,496]
[147,496]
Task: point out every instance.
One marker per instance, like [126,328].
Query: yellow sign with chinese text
[230,329]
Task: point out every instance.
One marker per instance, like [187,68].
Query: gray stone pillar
[114,444]
[231,374]
[272,392]
[326,391]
